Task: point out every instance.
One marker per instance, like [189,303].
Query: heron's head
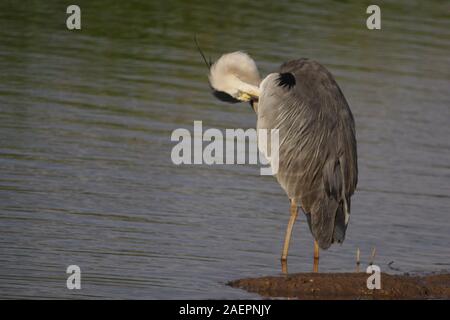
[235,78]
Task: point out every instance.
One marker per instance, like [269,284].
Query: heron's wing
[317,152]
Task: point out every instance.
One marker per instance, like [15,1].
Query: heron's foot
[284,268]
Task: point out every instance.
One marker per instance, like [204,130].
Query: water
[85,124]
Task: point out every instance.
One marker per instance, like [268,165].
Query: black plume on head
[208,63]
[223,96]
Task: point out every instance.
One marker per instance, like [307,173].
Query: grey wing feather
[317,153]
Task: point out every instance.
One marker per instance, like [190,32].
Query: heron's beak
[244,96]
[252,94]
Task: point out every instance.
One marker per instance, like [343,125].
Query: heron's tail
[326,222]
[339,225]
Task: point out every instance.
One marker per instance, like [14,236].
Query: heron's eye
[223,96]
[286,80]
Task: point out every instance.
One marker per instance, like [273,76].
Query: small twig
[357,259]
[372,258]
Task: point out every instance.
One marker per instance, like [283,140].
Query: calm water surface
[85,124]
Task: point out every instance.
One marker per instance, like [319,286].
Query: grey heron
[317,151]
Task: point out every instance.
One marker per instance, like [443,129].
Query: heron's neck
[248,88]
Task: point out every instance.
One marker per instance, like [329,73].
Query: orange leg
[316,257]
[287,238]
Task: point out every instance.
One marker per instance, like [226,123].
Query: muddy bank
[347,286]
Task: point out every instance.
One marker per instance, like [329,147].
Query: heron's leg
[294,213]
[316,257]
